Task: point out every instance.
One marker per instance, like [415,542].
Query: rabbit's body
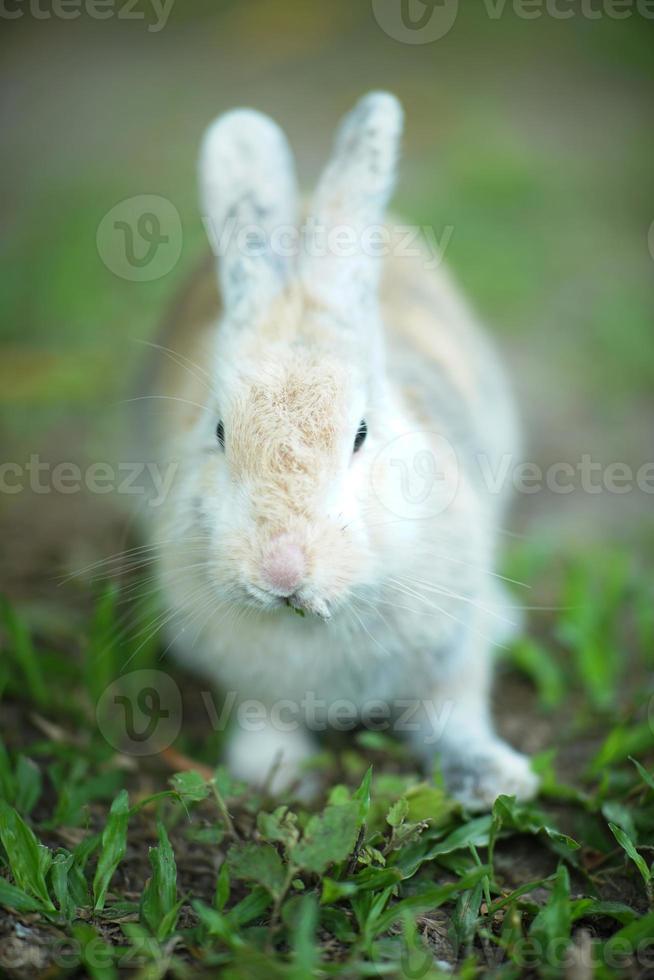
[387,553]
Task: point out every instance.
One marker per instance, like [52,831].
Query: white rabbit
[327,422]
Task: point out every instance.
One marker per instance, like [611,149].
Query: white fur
[353,193]
[273,759]
[400,599]
[247,179]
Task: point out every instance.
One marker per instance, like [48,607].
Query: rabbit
[328,544]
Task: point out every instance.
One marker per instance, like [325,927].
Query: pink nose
[284,565]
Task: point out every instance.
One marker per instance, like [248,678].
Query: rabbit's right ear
[351,196]
[249,192]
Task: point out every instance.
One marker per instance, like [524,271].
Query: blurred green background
[530,138]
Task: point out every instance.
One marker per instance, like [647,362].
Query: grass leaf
[646,776]
[551,927]
[398,812]
[24,653]
[59,872]
[101,665]
[329,837]
[7,778]
[96,954]
[249,908]
[15,898]
[527,818]
[221,896]
[29,784]
[279,826]
[428,899]
[362,795]
[112,848]
[541,667]
[629,848]
[159,905]
[475,832]
[260,863]
[29,861]
[305,954]
[627,940]
[190,786]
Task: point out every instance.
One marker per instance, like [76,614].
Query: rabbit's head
[302,403]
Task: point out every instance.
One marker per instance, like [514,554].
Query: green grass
[113,862]
[530,139]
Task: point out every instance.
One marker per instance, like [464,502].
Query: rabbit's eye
[220,434]
[360,437]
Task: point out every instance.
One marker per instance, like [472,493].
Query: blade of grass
[159,904]
[25,655]
[628,846]
[15,898]
[29,784]
[29,861]
[112,848]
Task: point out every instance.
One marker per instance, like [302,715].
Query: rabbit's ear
[352,196]
[249,192]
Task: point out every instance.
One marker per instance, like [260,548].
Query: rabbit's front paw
[275,760]
[476,777]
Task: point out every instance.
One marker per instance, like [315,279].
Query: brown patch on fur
[284,432]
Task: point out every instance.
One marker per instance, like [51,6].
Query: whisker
[171,398]
[184,362]
[406,591]
[364,627]
[462,598]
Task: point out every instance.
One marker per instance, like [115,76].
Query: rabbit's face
[285,494]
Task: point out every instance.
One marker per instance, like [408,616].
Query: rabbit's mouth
[300,602]
[315,606]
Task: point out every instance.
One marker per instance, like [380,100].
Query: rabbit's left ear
[350,202]
[249,195]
